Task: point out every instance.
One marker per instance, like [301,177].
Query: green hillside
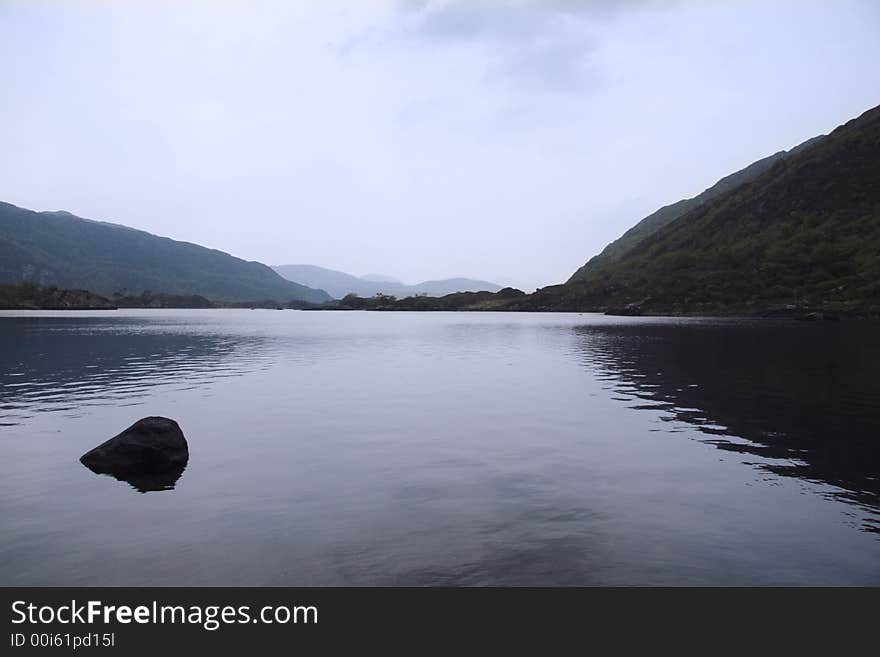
[58,248]
[669,213]
[805,232]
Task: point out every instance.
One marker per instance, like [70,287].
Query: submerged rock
[150,455]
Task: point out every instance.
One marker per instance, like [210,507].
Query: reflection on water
[65,365]
[147,480]
[805,398]
[442,448]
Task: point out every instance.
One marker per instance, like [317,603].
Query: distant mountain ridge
[339,284]
[61,249]
[381,278]
[669,213]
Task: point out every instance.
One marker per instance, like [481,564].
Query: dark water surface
[410,449]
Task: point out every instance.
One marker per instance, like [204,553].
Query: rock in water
[150,455]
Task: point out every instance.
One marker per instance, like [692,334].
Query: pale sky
[502,140]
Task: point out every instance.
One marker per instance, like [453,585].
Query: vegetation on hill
[58,248]
[669,213]
[805,233]
[27,296]
[457,301]
[148,299]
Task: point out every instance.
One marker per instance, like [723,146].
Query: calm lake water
[360,448]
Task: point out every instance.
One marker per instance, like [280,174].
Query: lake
[333,448]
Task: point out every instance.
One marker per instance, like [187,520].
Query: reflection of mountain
[809,393]
[65,363]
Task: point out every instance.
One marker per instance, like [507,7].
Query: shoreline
[809,317]
[30,297]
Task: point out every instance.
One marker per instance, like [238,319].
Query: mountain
[336,283]
[339,284]
[669,213]
[803,233]
[61,249]
[381,278]
[451,286]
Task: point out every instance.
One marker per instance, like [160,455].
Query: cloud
[478,20]
[515,21]
[533,45]
[549,67]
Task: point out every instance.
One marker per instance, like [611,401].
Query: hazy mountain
[805,232]
[58,248]
[338,284]
[668,213]
[451,286]
[381,278]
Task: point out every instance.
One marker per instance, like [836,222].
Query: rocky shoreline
[26,296]
[552,299]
